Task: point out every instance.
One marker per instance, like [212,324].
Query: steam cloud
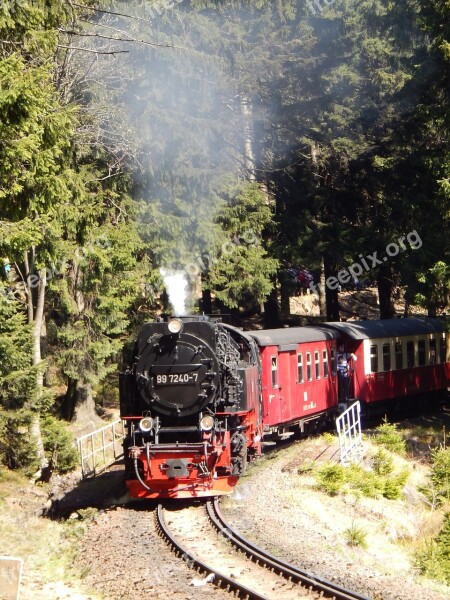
[176,284]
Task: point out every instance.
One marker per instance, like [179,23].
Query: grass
[356,536]
[47,547]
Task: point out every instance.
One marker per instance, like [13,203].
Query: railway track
[252,572]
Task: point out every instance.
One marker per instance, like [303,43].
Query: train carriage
[299,384]
[397,359]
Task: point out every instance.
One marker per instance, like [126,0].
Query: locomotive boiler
[191,401]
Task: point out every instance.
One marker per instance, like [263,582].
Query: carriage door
[287,374]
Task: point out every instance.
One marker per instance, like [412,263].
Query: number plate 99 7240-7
[176,378]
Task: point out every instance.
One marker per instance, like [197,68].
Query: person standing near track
[344,371]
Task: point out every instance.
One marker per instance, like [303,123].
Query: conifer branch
[107,37]
[94,51]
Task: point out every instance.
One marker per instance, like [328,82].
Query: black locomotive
[192,404]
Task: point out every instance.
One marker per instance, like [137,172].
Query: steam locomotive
[202,397]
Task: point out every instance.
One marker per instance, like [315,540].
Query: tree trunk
[67,409]
[271,316]
[35,426]
[322,290]
[206,302]
[331,293]
[85,405]
[285,293]
[385,288]
[249,154]
[78,403]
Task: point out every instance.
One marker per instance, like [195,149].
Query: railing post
[348,426]
[106,449]
[93,454]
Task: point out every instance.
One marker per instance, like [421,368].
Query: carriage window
[333,362]
[421,353]
[386,357]
[432,352]
[398,355]
[317,363]
[374,359]
[308,366]
[274,372]
[443,350]
[299,368]
[409,354]
[325,363]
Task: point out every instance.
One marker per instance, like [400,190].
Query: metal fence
[348,426]
[101,448]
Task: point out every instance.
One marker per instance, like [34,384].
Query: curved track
[300,583]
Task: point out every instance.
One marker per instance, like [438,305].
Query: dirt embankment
[112,550]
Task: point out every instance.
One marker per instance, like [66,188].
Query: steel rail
[220,579]
[285,569]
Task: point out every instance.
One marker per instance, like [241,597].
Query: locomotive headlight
[146,424]
[175,325]
[206,423]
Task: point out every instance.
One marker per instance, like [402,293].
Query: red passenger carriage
[398,359]
[299,384]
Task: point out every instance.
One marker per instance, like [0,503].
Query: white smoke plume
[176,284]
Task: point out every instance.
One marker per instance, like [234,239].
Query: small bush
[356,536]
[329,438]
[393,486]
[59,445]
[17,450]
[434,559]
[391,439]
[382,463]
[440,473]
[367,482]
[331,478]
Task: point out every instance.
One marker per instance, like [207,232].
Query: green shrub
[329,438]
[382,463]
[440,473]
[393,485]
[356,536]
[364,481]
[59,445]
[17,450]
[391,439]
[434,559]
[331,478]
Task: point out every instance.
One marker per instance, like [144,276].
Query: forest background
[226,141]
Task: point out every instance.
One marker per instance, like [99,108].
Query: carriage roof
[291,335]
[360,330]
